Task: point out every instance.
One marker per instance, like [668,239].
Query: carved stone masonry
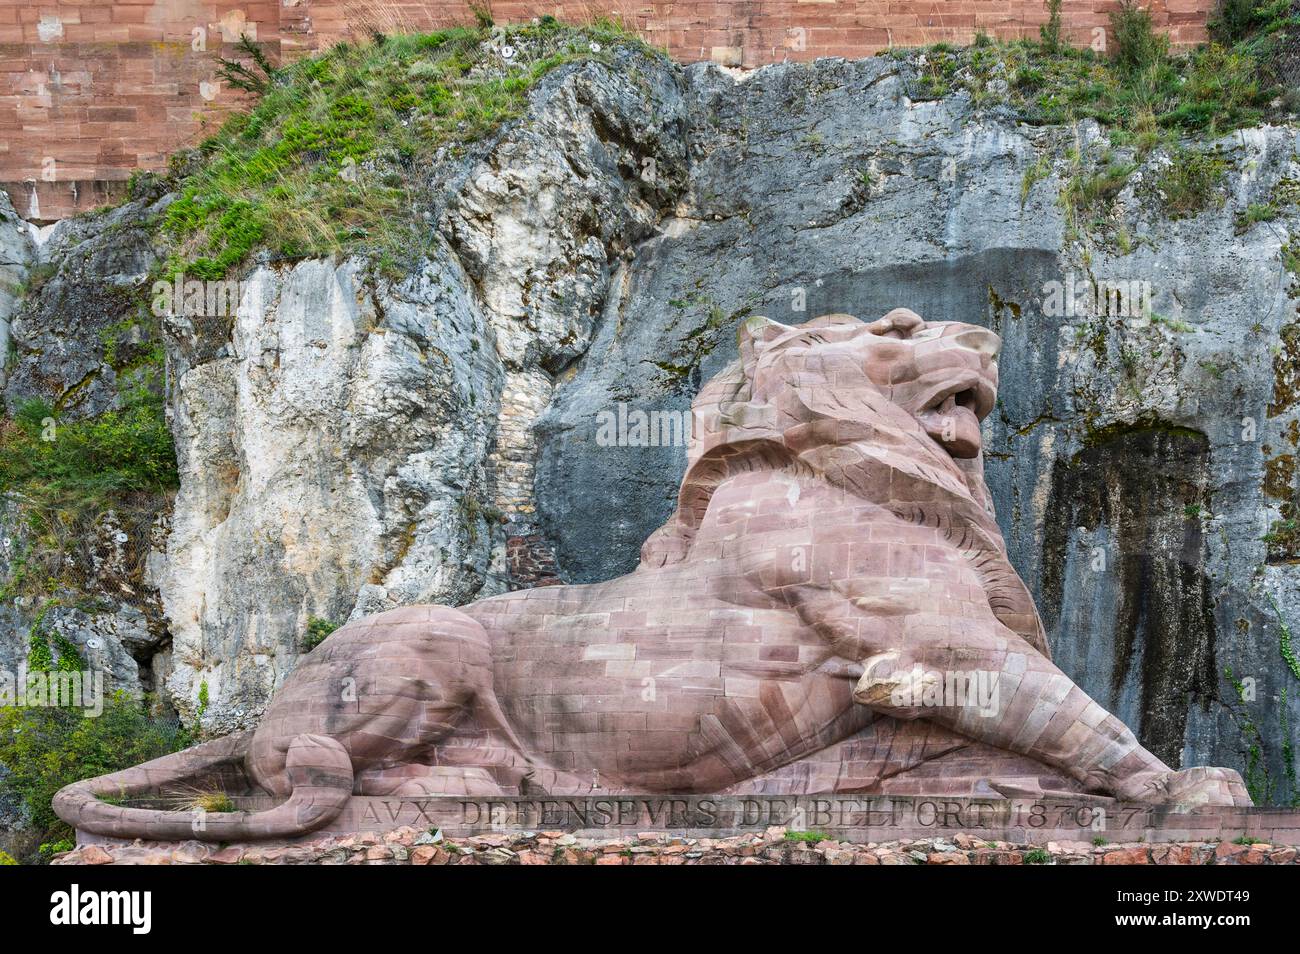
[829,611]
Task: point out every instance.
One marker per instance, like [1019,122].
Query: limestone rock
[17,251]
[92,270]
[340,445]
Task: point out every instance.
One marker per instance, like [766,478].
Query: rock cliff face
[332,458]
[351,440]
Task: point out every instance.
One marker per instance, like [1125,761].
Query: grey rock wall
[16,253]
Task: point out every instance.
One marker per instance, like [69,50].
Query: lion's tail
[319,772]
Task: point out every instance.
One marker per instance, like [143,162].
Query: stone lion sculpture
[832,571]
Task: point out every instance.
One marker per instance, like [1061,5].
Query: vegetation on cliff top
[335,153]
[1151,102]
[1137,87]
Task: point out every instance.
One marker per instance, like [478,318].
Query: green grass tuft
[1190,182]
[59,476]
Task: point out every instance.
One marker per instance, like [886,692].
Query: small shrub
[812,837]
[1136,45]
[1291,257]
[1037,856]
[87,460]
[46,748]
[1232,20]
[6,859]
[1190,181]
[1221,89]
[255,78]
[1143,93]
[317,631]
[1237,20]
[49,849]
[1085,197]
[1050,32]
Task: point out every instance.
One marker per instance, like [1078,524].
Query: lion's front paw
[894,691]
[1206,786]
[1189,789]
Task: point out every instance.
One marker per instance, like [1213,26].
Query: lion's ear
[754,334]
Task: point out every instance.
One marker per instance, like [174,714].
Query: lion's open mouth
[952,411]
[967,399]
[966,390]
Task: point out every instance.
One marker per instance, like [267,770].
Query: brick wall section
[531,562]
[90,91]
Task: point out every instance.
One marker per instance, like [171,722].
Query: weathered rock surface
[84,281]
[358,443]
[16,253]
[357,440]
[333,451]
[92,270]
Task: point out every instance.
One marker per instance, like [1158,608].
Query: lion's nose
[898,323]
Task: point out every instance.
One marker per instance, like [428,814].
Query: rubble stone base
[775,846]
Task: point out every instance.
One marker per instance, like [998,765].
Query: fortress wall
[91,91]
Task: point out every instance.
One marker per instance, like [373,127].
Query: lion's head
[943,374]
[906,391]
[888,410]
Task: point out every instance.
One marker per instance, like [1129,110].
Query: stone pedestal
[844,818]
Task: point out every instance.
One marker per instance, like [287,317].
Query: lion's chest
[787,533]
[713,658]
